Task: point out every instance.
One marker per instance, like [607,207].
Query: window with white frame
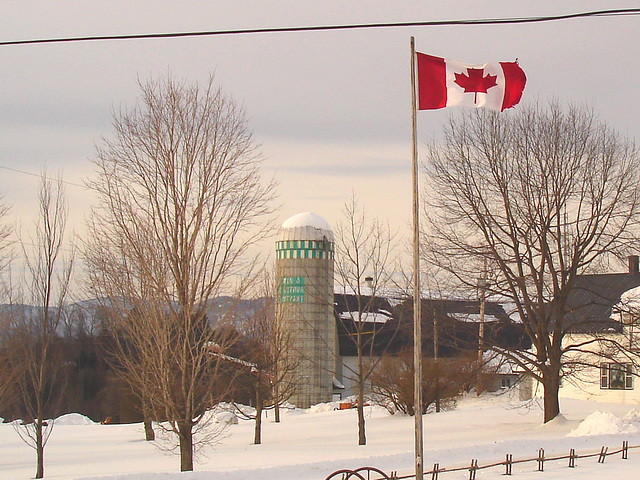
[616,376]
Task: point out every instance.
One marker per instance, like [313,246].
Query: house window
[505,382]
[616,376]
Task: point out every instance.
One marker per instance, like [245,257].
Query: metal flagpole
[417,317]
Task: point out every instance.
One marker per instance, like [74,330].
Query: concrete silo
[304,277]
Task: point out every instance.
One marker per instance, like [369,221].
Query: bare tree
[278,341]
[9,366]
[443,381]
[6,373]
[180,203]
[130,328]
[271,365]
[143,352]
[542,195]
[254,383]
[5,236]
[363,252]
[34,327]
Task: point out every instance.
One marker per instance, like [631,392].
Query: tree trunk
[551,385]
[276,410]
[276,407]
[257,434]
[437,371]
[186,447]
[39,448]
[362,437]
[149,434]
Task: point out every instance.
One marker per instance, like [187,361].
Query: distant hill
[85,314]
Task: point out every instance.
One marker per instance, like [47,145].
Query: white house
[604,319]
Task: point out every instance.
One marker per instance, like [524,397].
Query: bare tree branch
[180,203]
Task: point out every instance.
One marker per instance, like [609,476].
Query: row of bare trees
[180,203]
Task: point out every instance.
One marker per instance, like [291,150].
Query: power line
[41,176]
[430,23]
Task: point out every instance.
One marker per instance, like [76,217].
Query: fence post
[572,458]
[436,469]
[625,450]
[541,460]
[603,454]
[508,463]
[473,469]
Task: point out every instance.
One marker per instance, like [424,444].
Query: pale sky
[330,109]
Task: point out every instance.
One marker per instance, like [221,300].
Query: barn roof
[594,299]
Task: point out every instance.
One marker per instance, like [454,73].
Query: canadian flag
[445,83]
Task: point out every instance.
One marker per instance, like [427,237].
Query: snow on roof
[512,311]
[498,363]
[630,299]
[337,384]
[393,295]
[369,317]
[305,226]
[473,317]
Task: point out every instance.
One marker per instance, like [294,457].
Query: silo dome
[305,226]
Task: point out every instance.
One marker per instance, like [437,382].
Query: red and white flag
[445,83]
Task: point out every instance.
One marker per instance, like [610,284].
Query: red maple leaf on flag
[475,82]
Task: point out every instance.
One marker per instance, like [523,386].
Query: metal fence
[372,473]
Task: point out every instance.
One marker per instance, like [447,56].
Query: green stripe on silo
[304,249]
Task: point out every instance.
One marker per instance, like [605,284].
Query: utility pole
[483,283]
[417,302]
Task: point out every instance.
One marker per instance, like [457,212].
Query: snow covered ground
[313,443]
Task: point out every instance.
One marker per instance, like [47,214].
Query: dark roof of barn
[593,298]
[455,335]
[346,302]
[460,308]
[385,335]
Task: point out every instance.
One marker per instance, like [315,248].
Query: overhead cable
[427,23]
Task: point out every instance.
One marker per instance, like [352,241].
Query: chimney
[634,264]
[368,281]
